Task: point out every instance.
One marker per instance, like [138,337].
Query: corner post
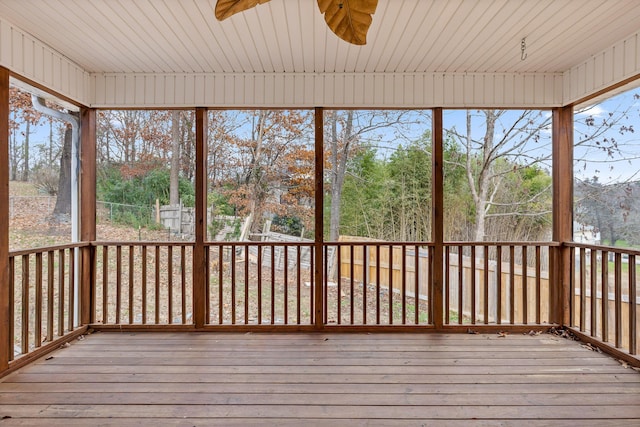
[437,220]
[562,165]
[318,309]
[200,276]
[87,198]
[6,341]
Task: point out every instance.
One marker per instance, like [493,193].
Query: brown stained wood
[10,325]
[460,285]
[233,287]
[403,283]
[512,285]
[316,280]
[143,280]
[562,173]
[26,304]
[416,285]
[118,283]
[583,293]
[365,282]
[604,299]
[87,206]
[183,284]
[499,285]
[246,287]
[61,292]
[6,298]
[339,285]
[447,280]
[273,284]
[486,285]
[633,332]
[352,286]
[37,321]
[285,280]
[390,288]
[170,285]
[525,294]
[199,256]
[50,295]
[618,298]
[594,291]
[473,285]
[259,283]
[310,378]
[437,282]
[105,284]
[538,287]
[131,285]
[156,307]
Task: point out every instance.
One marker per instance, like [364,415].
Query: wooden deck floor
[201,379]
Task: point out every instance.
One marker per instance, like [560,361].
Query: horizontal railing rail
[604,295]
[44,306]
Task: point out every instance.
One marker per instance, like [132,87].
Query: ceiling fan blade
[349,19]
[227,8]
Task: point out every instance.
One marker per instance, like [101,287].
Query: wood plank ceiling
[290,36]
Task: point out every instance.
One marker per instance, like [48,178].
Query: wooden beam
[437,220]
[318,309]
[200,277]
[562,164]
[87,198]
[6,341]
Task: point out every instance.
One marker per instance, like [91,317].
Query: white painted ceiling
[406,36]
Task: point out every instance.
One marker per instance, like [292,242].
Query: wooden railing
[150,285]
[377,283]
[497,283]
[143,283]
[604,295]
[43,288]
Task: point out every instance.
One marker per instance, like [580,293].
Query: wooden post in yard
[200,277]
[562,164]
[6,341]
[87,199]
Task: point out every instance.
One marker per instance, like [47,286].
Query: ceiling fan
[348,19]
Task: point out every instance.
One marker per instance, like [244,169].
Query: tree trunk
[25,164]
[63,201]
[174,190]
[338,170]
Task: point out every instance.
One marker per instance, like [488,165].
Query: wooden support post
[318,309]
[437,221]
[200,277]
[562,164]
[6,341]
[87,199]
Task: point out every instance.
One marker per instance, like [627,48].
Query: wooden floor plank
[321,379]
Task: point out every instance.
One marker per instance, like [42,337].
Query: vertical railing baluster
[604,287]
[273,283]
[37,330]
[365,272]
[416,284]
[377,284]
[618,298]
[391,248]
[512,285]
[312,285]
[26,306]
[447,283]
[61,293]
[525,285]
[633,332]
[285,278]
[221,286]
[403,283]
[593,257]
[460,284]
[144,284]
[339,280]
[233,285]
[169,284]
[583,292]
[50,294]
[246,285]
[12,301]
[485,305]
[499,284]
[259,285]
[183,283]
[538,286]
[298,283]
[157,285]
[351,284]
[105,284]
[131,284]
[473,284]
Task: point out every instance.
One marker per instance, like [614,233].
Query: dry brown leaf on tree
[227,8]
[349,19]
